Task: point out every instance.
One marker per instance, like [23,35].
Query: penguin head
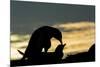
[60,48]
[58,35]
[53,32]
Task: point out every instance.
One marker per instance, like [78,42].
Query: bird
[41,38]
[53,57]
[59,51]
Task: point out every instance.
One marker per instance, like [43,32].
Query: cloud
[77,26]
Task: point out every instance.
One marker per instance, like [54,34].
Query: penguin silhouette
[59,51]
[41,39]
[53,57]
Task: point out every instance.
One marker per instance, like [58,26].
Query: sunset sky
[76,22]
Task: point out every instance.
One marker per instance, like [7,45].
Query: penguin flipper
[20,52]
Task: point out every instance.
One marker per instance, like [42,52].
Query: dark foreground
[47,59]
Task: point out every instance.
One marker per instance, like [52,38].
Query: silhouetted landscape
[41,39]
[51,33]
[54,58]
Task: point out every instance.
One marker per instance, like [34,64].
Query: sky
[76,22]
[29,15]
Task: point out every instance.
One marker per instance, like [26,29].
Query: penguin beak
[61,42]
[64,44]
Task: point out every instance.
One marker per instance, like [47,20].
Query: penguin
[53,57]
[59,52]
[40,39]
